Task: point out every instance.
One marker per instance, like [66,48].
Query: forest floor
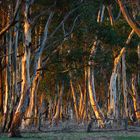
[72,131]
[77,136]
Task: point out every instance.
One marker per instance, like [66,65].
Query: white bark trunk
[101,14]
[112,87]
[124,85]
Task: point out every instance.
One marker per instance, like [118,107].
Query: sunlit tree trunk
[90,76]
[8,92]
[34,89]
[130,36]
[112,110]
[74,100]
[25,87]
[84,112]
[91,88]
[1,77]
[133,24]
[81,101]
[58,105]
[7,82]
[135,98]
[34,98]
[101,14]
[1,93]
[13,74]
[109,8]
[92,95]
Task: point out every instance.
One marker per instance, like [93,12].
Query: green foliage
[132,61]
[109,35]
[74,53]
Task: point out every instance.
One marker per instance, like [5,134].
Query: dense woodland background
[74,59]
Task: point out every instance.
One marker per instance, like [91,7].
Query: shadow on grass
[127,138]
[57,135]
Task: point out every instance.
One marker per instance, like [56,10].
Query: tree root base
[14,134]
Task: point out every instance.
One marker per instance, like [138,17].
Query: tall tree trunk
[7,82]
[91,87]
[84,112]
[112,87]
[25,88]
[59,104]
[119,91]
[135,98]
[124,85]
[92,95]
[101,14]
[81,102]
[15,66]
[33,92]
[109,8]
[1,92]
[14,74]
[74,100]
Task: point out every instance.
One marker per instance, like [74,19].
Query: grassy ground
[77,136]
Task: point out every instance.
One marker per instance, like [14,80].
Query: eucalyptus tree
[73,44]
[30,83]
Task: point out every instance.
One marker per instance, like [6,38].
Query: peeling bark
[112,87]
[124,83]
[135,98]
[25,87]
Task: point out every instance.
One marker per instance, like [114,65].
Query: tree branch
[13,22]
[133,24]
